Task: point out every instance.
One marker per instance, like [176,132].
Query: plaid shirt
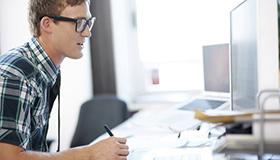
[26,76]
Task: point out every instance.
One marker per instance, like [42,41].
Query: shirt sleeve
[15,101]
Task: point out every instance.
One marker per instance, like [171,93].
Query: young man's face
[67,42]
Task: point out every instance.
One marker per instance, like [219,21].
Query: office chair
[96,112]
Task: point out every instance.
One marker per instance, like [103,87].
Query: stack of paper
[245,143]
[230,116]
[241,143]
[220,116]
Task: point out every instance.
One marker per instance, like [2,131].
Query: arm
[108,149]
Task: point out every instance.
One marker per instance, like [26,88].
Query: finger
[123,146]
[123,152]
[122,140]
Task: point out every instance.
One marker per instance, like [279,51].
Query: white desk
[148,140]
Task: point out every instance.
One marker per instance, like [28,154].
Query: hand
[112,148]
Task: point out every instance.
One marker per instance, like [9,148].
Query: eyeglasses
[81,24]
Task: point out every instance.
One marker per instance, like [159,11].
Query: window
[171,34]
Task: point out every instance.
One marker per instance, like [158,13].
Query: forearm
[111,148]
[8,151]
[79,153]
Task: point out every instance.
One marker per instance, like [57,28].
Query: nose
[86,32]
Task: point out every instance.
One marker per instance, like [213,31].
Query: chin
[77,56]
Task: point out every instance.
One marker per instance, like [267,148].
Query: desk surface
[150,140]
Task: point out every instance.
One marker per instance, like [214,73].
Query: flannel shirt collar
[43,60]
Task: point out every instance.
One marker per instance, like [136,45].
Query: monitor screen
[216,68]
[254,62]
[244,55]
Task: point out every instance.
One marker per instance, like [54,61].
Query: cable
[58,130]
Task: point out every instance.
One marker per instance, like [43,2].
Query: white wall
[13,16]
[127,61]
[76,75]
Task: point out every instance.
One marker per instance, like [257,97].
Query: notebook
[216,90]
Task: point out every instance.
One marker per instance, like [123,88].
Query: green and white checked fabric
[26,76]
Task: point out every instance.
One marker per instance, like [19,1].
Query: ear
[46,24]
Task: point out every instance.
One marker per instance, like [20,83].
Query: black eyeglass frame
[66,19]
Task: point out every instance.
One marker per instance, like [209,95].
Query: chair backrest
[94,114]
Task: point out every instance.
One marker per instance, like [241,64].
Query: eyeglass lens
[82,23]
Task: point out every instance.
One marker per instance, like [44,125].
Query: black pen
[108,130]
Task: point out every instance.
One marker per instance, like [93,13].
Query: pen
[108,130]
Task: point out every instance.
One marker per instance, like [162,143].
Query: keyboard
[203,104]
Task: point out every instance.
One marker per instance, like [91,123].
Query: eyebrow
[83,17]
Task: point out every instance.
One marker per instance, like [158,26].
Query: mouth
[81,45]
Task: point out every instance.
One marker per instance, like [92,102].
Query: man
[59,29]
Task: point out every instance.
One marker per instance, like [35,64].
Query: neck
[49,51]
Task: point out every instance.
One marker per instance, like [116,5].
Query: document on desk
[173,154]
[149,130]
[174,119]
[153,135]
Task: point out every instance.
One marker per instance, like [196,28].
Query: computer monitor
[254,52]
[216,69]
